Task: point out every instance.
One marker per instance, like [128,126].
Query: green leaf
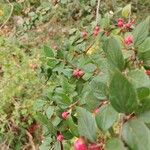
[141,31]
[145,117]
[52,63]
[139,78]
[67,135]
[99,88]
[106,117]
[89,98]
[72,126]
[89,68]
[136,134]
[144,105]
[57,146]
[144,52]
[45,122]
[46,144]
[113,52]
[126,11]
[86,124]
[123,96]
[140,81]
[115,144]
[48,51]
[49,111]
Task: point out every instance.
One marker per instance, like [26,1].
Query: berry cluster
[121,24]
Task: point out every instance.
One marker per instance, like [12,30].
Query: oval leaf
[86,124]
[136,134]
[113,52]
[115,144]
[123,96]
[106,117]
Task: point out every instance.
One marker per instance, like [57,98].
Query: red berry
[120,23]
[84,34]
[94,147]
[75,72]
[97,28]
[148,72]
[95,33]
[80,145]
[128,40]
[65,115]
[60,137]
[78,73]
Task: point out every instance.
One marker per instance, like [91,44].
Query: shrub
[102,82]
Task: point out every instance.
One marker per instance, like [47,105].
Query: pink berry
[128,25]
[80,145]
[97,28]
[60,137]
[148,72]
[96,111]
[120,23]
[128,40]
[65,115]
[84,34]
[78,73]
[95,33]
[94,147]
[75,72]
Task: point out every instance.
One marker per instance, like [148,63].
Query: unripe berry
[60,137]
[128,40]
[80,145]
[148,72]
[65,115]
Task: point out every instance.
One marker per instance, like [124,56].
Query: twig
[97,11]
[121,125]
[72,105]
[31,140]
[12,7]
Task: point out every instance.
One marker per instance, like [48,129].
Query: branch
[12,7]
[97,11]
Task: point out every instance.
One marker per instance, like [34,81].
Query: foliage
[108,98]
[65,76]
